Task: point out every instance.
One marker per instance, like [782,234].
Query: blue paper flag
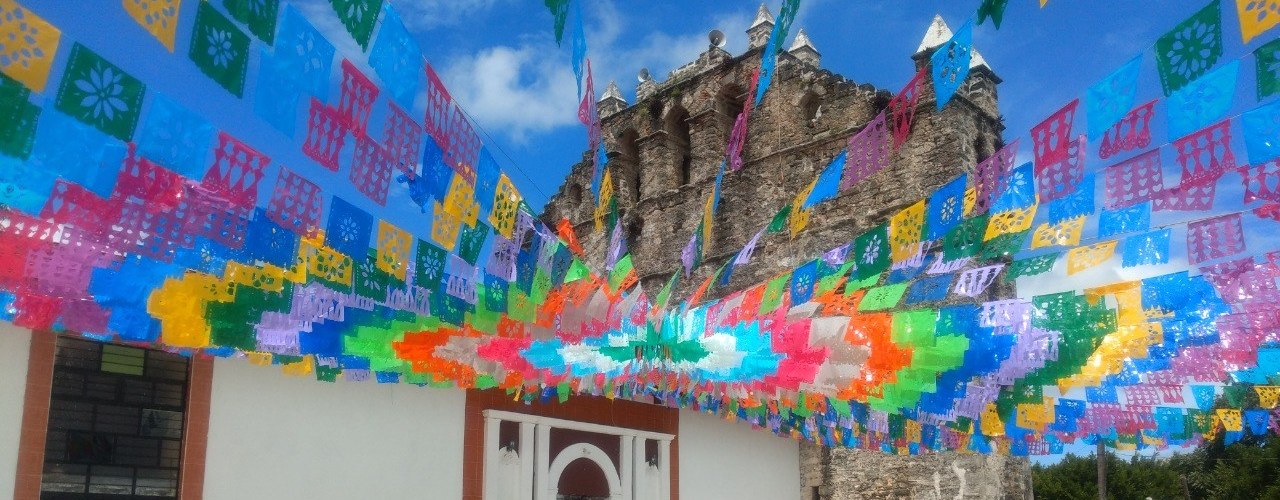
[349,229]
[946,207]
[276,94]
[175,137]
[24,187]
[1146,249]
[802,280]
[268,242]
[1203,101]
[396,59]
[1124,220]
[951,64]
[304,53]
[1079,203]
[1204,395]
[1112,97]
[828,185]
[77,152]
[1262,132]
[929,289]
[1020,190]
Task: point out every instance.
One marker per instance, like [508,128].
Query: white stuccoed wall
[272,436]
[726,460]
[15,345]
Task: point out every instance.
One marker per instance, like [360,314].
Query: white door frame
[539,478]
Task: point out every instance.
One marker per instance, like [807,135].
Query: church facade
[665,148]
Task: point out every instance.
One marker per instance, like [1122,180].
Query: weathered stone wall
[785,150]
[848,474]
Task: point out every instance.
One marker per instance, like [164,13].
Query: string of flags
[129,217]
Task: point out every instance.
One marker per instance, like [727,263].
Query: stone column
[492,428]
[664,469]
[527,430]
[542,463]
[626,469]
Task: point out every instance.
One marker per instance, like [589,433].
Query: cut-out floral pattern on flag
[305,55]
[175,137]
[396,59]
[220,49]
[100,94]
[1191,48]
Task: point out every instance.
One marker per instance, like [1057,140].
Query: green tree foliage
[1246,469]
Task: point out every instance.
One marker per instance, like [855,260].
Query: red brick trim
[35,421]
[195,440]
[603,411]
[35,415]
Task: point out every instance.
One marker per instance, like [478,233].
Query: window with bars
[116,419]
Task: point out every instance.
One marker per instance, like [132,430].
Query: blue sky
[500,61]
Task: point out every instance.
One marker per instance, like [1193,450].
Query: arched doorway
[582,462]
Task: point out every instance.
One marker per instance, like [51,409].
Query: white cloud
[528,88]
[515,90]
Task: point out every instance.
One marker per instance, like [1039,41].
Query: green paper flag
[577,271]
[665,294]
[993,9]
[560,10]
[562,391]
[881,298]
[1190,49]
[773,293]
[220,49]
[779,221]
[100,94]
[1267,58]
[18,131]
[259,15]
[359,16]
[620,272]
[872,249]
[1004,245]
[965,239]
[1030,266]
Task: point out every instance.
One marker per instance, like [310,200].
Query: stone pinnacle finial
[758,33]
[802,48]
[937,34]
[611,101]
[763,16]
